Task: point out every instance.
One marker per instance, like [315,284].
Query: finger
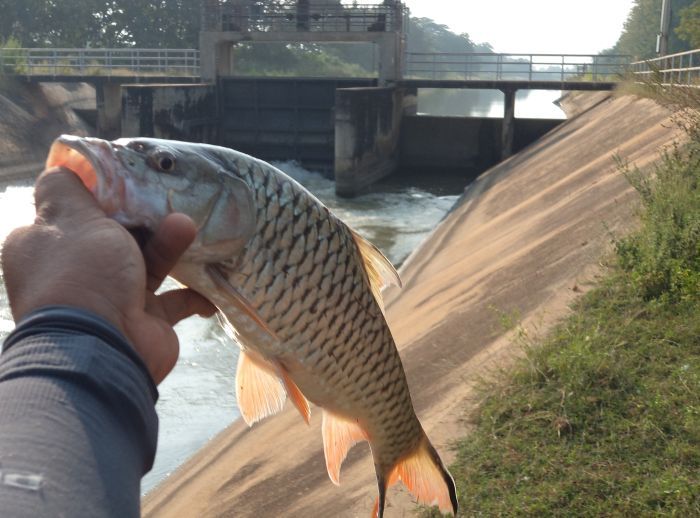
[175,233]
[59,193]
[161,355]
[180,304]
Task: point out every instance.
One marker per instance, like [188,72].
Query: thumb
[60,194]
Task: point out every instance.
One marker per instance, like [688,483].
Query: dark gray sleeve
[78,426]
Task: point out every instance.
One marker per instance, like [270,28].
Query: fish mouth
[96,162]
[91,159]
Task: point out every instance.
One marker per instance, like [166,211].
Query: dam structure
[357,130]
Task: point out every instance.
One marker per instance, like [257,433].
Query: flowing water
[529,104]
[198,399]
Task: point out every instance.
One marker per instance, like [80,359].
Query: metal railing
[465,66]
[528,67]
[99,62]
[682,68]
[303,16]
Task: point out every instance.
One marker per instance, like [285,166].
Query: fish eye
[164,161]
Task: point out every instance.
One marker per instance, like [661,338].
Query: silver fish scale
[306,279]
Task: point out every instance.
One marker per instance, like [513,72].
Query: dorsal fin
[339,435]
[379,269]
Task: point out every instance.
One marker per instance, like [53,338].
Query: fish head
[139,181]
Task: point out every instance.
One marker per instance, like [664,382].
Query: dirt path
[526,239]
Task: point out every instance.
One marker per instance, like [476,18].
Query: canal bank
[32,116]
[525,239]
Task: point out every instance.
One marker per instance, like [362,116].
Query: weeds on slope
[603,417]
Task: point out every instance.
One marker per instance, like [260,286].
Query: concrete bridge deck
[508,84]
[99,79]
[312,120]
[103,65]
[421,70]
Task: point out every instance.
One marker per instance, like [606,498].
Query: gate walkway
[91,65]
[424,70]
[514,71]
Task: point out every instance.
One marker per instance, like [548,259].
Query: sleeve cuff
[71,320]
[75,346]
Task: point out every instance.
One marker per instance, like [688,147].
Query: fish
[298,289]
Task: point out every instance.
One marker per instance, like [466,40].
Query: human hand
[73,255]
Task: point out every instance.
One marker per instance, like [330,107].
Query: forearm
[78,426]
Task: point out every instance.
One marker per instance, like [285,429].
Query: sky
[528,26]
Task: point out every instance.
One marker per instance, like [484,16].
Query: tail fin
[425,476]
[378,511]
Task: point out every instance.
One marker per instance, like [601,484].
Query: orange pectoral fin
[339,435]
[239,301]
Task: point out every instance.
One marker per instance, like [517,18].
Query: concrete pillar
[216,56]
[345,145]
[367,131]
[224,58]
[137,111]
[302,15]
[109,110]
[390,60]
[508,122]
[207,56]
[410,101]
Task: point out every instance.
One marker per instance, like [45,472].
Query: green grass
[602,418]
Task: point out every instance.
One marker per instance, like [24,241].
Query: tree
[101,23]
[72,23]
[689,27]
[638,37]
[25,21]
[426,35]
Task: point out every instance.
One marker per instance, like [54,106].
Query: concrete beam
[296,37]
[501,84]
[216,49]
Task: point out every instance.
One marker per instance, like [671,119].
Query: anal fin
[339,435]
